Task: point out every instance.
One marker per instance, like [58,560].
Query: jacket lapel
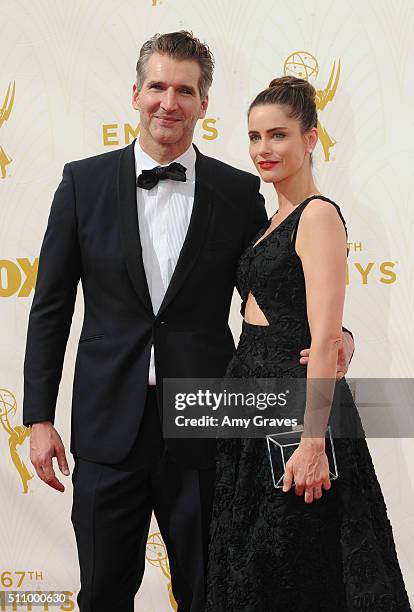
[127,196]
[197,230]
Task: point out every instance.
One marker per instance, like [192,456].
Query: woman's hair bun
[292,82]
[297,96]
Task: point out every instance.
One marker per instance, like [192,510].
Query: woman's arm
[322,246]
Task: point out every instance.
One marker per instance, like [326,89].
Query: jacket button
[162,322]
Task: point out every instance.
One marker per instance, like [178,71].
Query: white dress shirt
[163,215]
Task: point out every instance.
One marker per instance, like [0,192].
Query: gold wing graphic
[8,103]
[323,96]
[5,111]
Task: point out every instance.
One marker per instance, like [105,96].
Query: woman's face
[277,146]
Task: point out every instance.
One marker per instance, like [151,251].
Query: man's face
[169,102]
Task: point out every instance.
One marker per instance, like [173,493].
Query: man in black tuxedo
[156,252]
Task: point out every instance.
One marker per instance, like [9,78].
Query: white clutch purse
[281,446]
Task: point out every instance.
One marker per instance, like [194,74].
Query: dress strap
[303,206]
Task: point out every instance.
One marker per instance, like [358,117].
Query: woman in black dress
[317,545]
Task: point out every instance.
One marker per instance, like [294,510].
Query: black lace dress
[269,550]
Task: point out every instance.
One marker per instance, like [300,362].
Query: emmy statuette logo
[305,66]
[156,554]
[17,435]
[5,111]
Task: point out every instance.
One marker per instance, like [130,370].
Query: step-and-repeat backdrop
[67,70]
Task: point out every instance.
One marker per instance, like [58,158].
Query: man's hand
[46,443]
[345,352]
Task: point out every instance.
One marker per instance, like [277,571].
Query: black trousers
[111,513]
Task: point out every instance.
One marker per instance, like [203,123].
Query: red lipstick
[268,164]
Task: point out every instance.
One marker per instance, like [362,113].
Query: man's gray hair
[181,46]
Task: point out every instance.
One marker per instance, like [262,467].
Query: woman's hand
[308,467]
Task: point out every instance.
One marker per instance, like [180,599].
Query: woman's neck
[290,196]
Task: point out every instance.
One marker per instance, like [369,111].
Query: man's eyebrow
[155,83]
[189,87]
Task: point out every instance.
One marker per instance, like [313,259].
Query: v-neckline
[263,237]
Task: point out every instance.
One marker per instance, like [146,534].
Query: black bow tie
[149,178]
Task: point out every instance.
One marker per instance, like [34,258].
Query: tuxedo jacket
[93,236]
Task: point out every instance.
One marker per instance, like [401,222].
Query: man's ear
[203,109]
[135,97]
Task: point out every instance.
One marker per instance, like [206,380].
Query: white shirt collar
[144,162]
